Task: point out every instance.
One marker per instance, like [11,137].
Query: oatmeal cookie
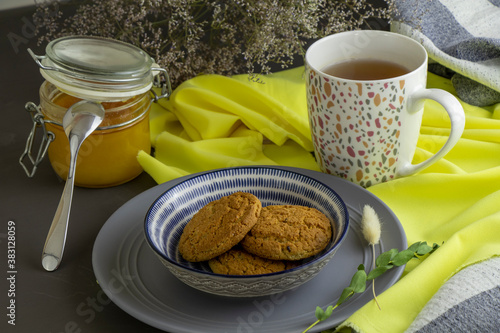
[288,232]
[240,262]
[218,226]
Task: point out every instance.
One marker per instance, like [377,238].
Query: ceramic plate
[134,279]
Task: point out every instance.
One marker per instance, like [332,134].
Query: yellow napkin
[213,121]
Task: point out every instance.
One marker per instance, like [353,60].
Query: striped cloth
[468,302]
[462,35]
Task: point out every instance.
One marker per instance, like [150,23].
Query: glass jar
[115,74]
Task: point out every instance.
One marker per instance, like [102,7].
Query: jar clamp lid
[97,68]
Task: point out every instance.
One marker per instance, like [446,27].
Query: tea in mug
[365,69]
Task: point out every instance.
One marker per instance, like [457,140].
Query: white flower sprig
[370,225]
[371,229]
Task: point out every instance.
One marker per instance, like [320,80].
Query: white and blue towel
[463,36]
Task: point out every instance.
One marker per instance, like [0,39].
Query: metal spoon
[79,122]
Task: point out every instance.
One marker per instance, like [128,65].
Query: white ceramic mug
[366,131]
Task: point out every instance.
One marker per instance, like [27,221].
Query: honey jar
[118,75]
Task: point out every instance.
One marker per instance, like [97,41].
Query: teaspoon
[79,122]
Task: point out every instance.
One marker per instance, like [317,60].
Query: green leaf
[323,315]
[403,257]
[357,285]
[435,247]
[375,273]
[319,313]
[384,258]
[329,311]
[423,249]
[346,294]
[414,246]
[358,282]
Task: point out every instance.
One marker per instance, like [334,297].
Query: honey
[108,156]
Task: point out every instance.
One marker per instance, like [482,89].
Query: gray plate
[134,279]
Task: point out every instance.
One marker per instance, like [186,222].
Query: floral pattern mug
[366,131]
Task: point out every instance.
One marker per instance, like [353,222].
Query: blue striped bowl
[169,214]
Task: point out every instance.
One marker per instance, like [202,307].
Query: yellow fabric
[213,122]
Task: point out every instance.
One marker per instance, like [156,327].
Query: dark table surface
[69,299]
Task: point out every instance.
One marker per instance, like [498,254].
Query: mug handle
[457,118]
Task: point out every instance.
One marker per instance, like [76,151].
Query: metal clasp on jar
[47,137]
[161,80]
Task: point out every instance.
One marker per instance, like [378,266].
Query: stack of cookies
[237,236]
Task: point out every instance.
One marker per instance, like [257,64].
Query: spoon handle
[56,238]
